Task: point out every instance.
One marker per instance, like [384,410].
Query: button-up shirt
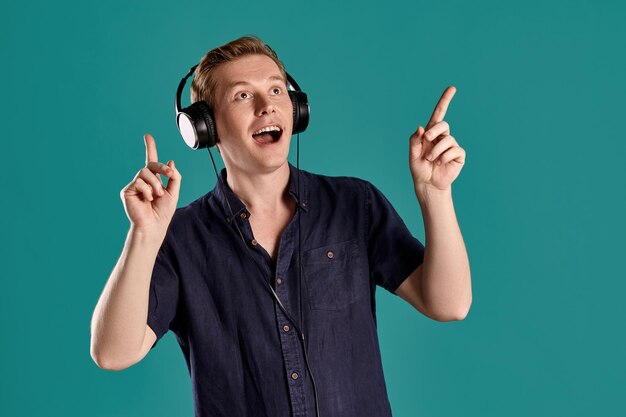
[244,355]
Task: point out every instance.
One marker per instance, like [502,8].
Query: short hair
[203,85]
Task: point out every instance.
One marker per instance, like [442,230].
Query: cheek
[225,123]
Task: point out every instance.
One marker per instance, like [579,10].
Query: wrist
[146,236]
[425,192]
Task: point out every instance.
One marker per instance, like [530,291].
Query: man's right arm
[120,335]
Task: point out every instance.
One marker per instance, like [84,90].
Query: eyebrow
[238,83]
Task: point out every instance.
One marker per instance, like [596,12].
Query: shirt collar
[222,192]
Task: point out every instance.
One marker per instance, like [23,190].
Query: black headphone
[197,125]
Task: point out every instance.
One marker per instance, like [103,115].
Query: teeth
[267,129]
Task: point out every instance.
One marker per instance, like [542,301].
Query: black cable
[300,202]
[260,268]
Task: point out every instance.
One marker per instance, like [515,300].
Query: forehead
[247,69]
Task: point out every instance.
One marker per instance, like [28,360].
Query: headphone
[197,125]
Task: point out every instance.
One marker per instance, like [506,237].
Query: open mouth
[267,135]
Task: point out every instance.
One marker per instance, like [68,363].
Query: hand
[435,158]
[148,205]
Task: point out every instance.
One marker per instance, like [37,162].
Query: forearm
[119,320]
[446,281]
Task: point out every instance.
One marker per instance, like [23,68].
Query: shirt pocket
[333,275]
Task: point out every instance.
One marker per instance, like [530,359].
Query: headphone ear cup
[300,104]
[196,125]
[207,115]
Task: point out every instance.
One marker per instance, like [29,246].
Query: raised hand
[435,158]
[150,206]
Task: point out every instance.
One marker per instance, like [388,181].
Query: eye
[276,91]
[242,96]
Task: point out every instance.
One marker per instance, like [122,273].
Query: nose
[265,106]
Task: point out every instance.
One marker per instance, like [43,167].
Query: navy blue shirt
[243,354]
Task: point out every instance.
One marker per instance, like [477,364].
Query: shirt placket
[289,336]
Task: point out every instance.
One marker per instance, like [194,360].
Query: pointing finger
[442,106]
[151,151]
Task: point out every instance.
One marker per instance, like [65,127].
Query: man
[323,245]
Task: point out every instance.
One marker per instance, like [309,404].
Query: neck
[265,192]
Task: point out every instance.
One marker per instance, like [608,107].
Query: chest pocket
[334,275]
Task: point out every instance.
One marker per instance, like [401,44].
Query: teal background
[540,200]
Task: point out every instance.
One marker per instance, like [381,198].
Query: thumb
[418,142]
[417,137]
[173,183]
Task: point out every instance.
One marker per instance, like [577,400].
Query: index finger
[151,151]
[442,106]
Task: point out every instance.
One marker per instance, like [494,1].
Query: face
[253,114]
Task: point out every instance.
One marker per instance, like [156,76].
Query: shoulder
[191,209]
[189,216]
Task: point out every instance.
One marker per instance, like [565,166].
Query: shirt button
[303,205]
[294,375]
[330,254]
[254,242]
[279,280]
[286,328]
[243,216]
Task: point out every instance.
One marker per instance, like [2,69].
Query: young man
[188,269]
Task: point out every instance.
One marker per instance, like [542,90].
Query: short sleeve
[163,301]
[393,252]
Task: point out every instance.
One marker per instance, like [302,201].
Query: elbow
[106,363]
[448,317]
[462,313]
[452,315]
[109,365]
[459,316]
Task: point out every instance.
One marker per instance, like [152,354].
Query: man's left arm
[440,287]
